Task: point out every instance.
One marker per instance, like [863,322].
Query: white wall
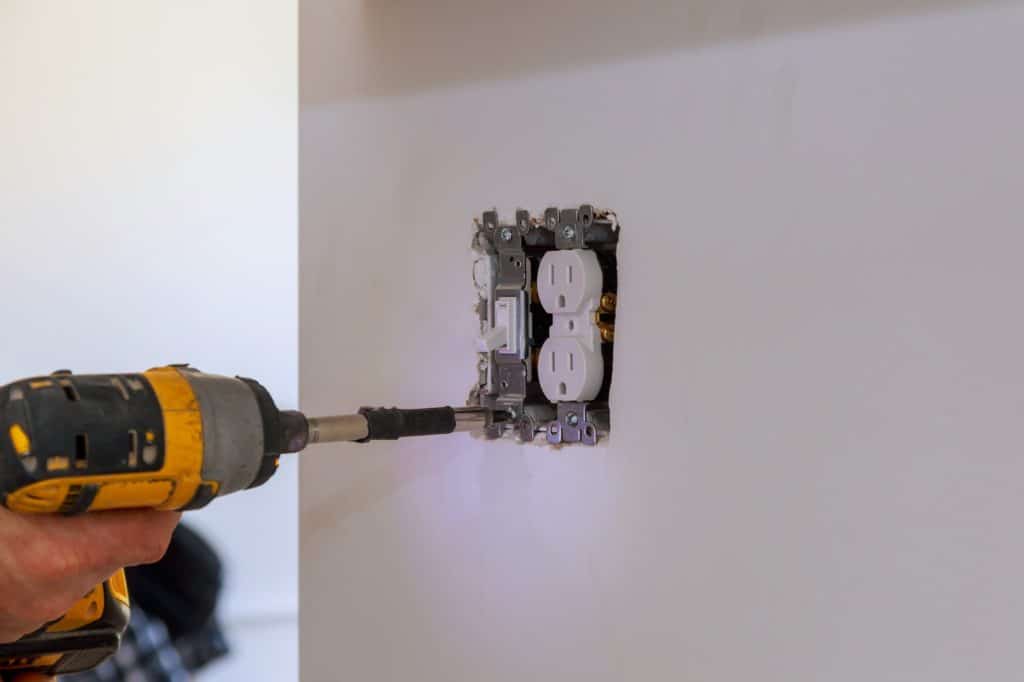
[815,471]
[148,215]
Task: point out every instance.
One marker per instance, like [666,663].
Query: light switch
[501,336]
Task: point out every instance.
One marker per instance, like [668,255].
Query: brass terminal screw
[608,302]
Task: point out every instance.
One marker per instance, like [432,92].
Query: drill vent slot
[119,385]
[133,449]
[71,501]
[70,392]
[81,451]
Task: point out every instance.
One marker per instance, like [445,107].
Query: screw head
[572,419]
[506,234]
[569,232]
[552,221]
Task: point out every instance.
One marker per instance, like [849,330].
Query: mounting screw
[572,419]
[506,234]
[569,232]
[552,222]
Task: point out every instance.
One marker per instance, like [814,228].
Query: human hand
[48,562]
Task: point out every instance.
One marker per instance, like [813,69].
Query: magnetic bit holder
[384,423]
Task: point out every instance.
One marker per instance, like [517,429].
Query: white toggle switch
[494,339]
[501,336]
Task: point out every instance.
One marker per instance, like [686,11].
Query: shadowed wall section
[386,47]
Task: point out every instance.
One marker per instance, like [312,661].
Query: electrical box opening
[548,292]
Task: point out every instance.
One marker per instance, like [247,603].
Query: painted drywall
[814,471]
[148,208]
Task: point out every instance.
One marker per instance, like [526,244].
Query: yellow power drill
[171,438]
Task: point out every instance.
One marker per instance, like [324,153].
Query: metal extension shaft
[338,429]
[393,423]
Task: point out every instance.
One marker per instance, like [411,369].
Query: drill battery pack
[85,636]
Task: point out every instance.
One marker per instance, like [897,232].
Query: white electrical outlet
[571,367]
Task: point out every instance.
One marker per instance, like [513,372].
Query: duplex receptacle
[569,285]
